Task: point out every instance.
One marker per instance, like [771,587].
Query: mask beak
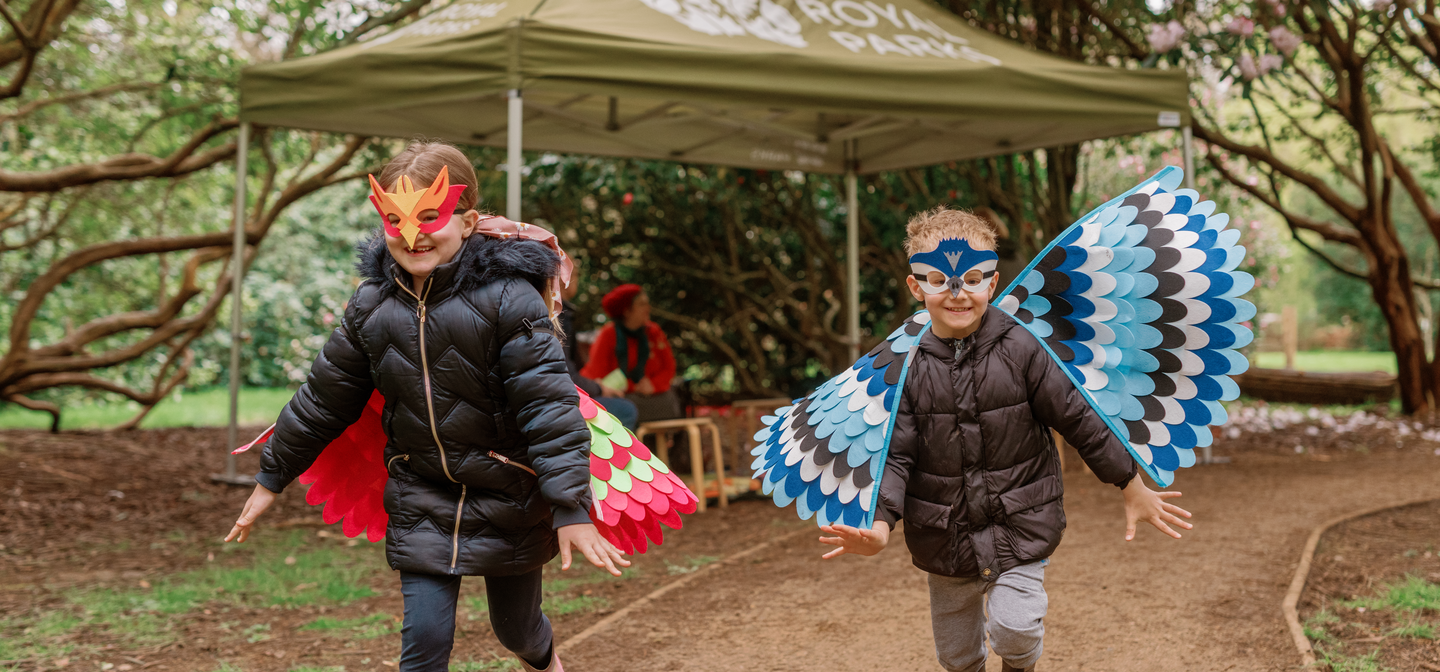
[955,285]
[409,232]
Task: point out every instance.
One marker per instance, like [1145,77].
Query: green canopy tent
[828,86]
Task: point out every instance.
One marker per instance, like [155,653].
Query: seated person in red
[631,338]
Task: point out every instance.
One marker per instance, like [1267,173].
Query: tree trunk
[1394,293]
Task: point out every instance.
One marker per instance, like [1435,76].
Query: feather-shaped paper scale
[633,492]
[1138,302]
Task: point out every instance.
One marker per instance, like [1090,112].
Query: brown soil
[1207,602]
[1358,559]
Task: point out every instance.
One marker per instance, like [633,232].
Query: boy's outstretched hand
[1142,503]
[597,549]
[855,540]
[259,501]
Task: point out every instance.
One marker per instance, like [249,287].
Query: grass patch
[1414,631]
[580,604]
[365,627]
[1315,629]
[690,564]
[1414,594]
[209,407]
[1330,361]
[277,574]
[478,608]
[1342,663]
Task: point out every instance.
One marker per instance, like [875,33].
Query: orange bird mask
[408,205]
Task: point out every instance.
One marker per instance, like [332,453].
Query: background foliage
[744,267]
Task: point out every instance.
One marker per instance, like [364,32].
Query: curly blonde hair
[927,229]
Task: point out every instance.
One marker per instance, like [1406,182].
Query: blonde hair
[927,229]
[421,160]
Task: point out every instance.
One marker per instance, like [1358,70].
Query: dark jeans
[428,634]
[623,409]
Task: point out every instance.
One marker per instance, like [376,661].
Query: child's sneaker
[555,665]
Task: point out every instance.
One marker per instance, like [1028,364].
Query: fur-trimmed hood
[481,260]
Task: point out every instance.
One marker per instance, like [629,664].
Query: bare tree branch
[1136,50]
[41,24]
[404,11]
[65,99]
[187,159]
[1326,230]
[1258,154]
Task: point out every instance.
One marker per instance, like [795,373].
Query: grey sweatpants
[1011,609]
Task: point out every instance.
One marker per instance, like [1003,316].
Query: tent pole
[1188,151]
[237,273]
[852,256]
[513,159]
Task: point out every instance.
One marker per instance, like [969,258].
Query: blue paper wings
[827,452]
[1138,302]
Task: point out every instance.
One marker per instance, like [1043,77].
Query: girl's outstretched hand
[855,540]
[1142,503]
[259,501]
[597,549]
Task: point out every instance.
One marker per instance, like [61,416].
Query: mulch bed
[95,509]
[1357,560]
[85,510]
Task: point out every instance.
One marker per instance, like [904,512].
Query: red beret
[619,299]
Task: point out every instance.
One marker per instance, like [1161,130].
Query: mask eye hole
[393,219]
[936,278]
[429,216]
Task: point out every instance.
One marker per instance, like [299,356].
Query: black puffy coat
[973,469]
[474,373]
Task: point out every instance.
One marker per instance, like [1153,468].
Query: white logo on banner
[882,24]
[761,18]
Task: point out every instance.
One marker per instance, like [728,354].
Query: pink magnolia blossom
[1270,62]
[1277,6]
[1284,40]
[1163,38]
[1241,26]
[1248,70]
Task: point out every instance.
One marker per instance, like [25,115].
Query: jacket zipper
[391,463]
[430,409]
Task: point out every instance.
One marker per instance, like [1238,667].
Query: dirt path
[1208,602]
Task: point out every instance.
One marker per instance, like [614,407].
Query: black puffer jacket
[476,370]
[973,469]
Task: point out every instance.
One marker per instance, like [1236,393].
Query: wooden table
[662,430]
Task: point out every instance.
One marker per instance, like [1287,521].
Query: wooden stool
[662,430]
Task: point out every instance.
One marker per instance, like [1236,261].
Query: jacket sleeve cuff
[888,516]
[568,516]
[272,481]
[1134,471]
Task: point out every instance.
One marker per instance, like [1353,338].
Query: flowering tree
[1313,108]
[117,125]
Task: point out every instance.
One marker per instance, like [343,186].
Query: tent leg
[237,273]
[852,263]
[1187,150]
[513,160]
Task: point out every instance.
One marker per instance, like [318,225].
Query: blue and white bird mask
[953,266]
